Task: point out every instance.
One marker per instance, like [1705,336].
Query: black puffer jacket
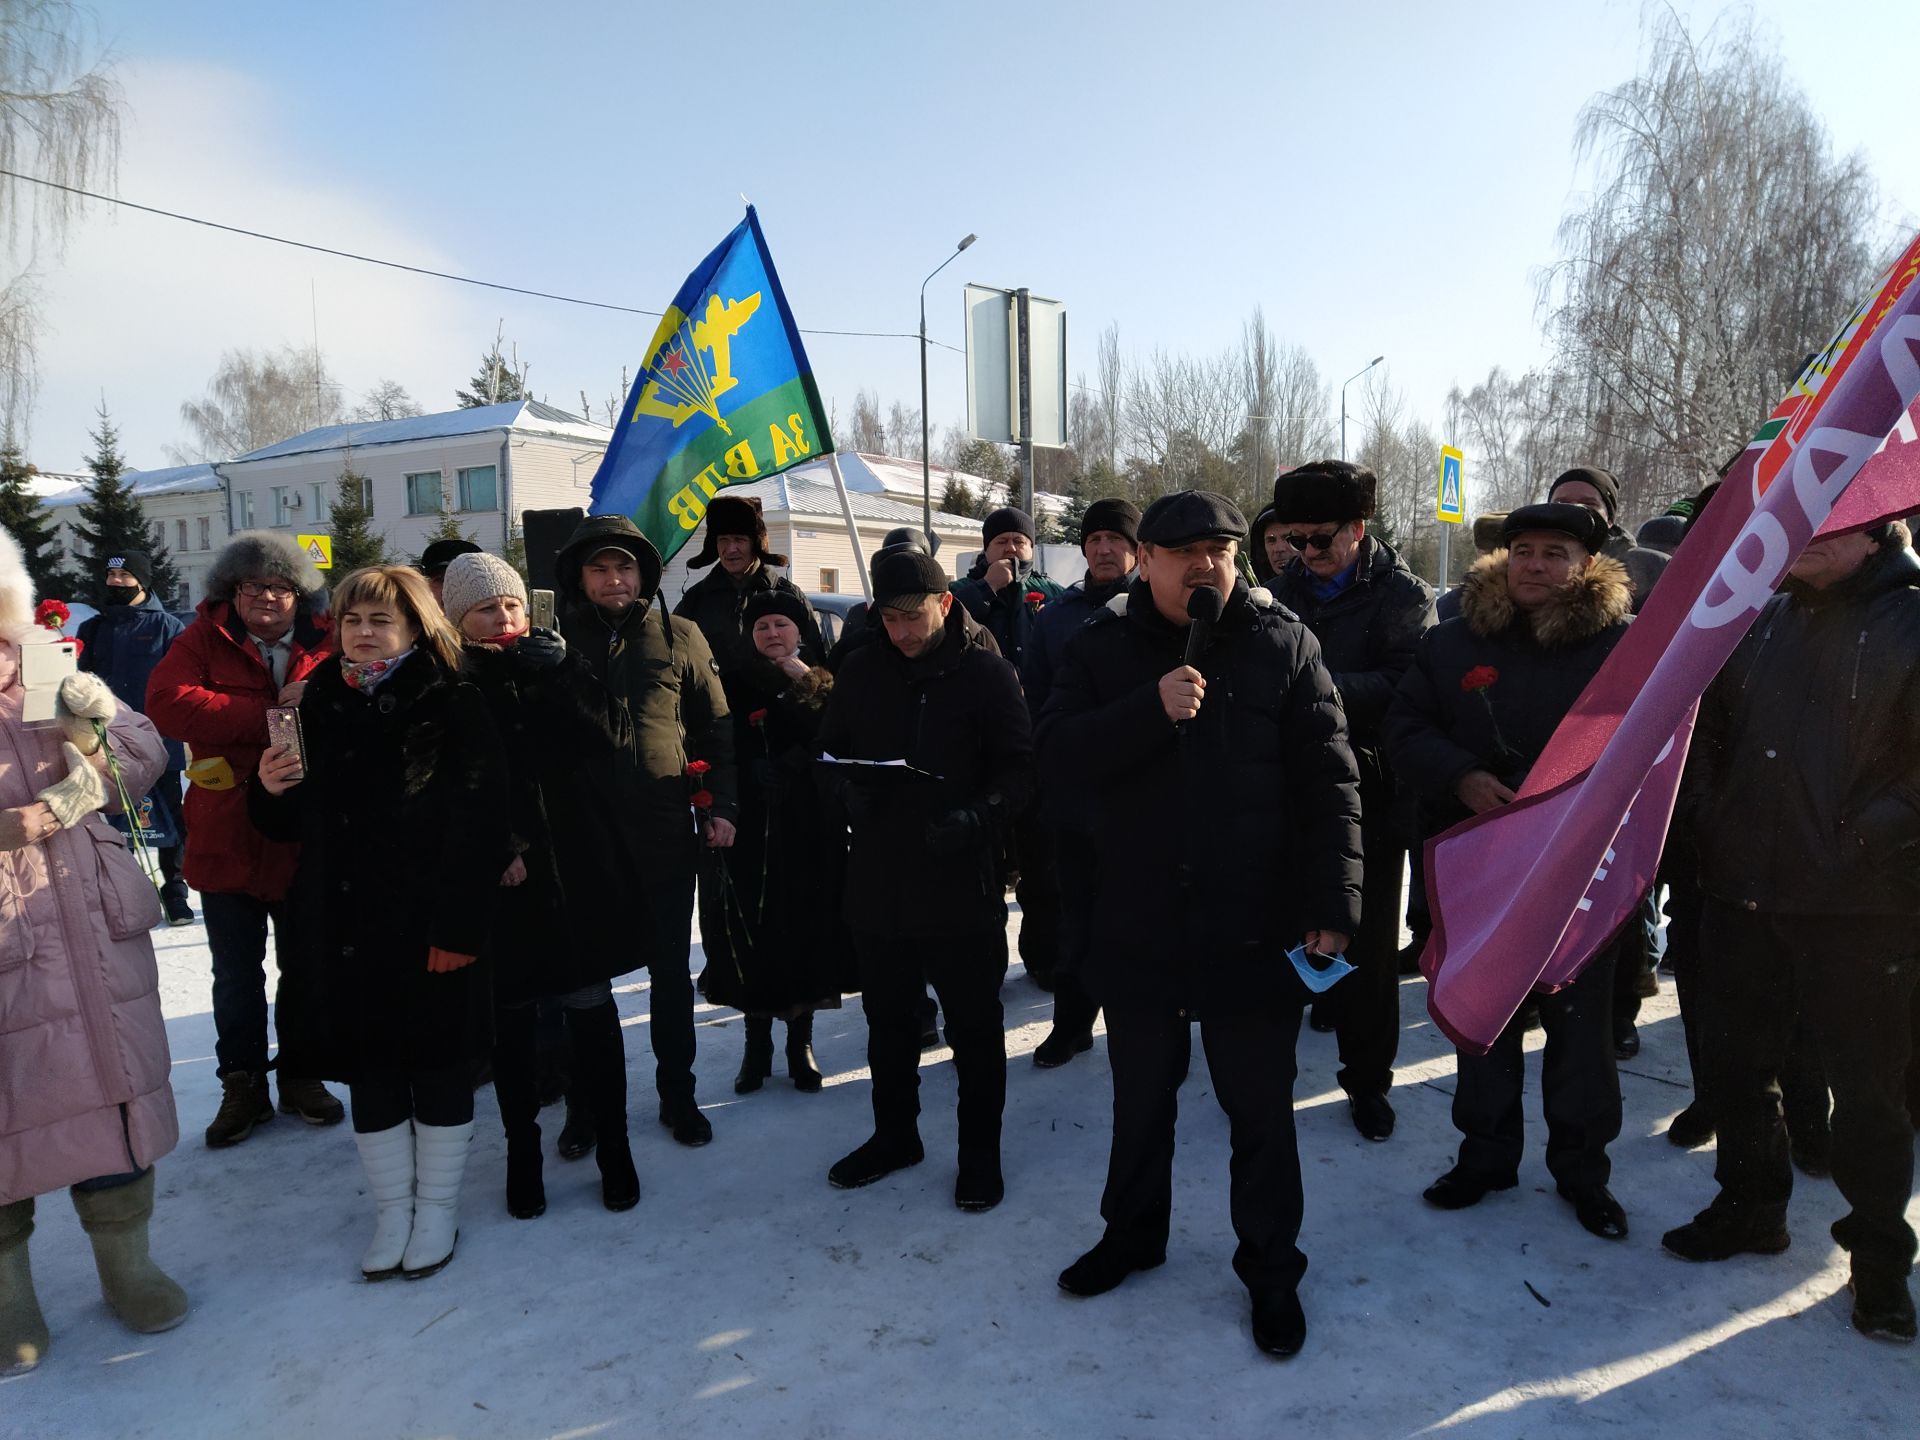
[1803,785]
[958,714]
[1053,627]
[1445,723]
[402,821]
[719,607]
[1368,633]
[1217,849]
[565,739]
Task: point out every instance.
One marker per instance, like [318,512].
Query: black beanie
[1324,492]
[1120,516]
[135,563]
[905,574]
[777,602]
[1601,480]
[1006,518]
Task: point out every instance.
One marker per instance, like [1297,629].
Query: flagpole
[853,530]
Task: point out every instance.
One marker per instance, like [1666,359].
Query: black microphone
[1203,608]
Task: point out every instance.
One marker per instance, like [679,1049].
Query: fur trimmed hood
[1594,600]
[261,552]
[16,589]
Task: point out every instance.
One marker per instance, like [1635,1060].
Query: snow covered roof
[521,416]
[895,475]
[174,480]
[802,494]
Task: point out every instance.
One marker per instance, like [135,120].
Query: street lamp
[926,459]
[1343,402]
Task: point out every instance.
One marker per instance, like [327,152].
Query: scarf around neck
[366,676]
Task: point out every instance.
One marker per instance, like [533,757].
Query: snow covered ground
[746,1297]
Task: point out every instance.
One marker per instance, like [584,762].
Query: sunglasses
[1317,542]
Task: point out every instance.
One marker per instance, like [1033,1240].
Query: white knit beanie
[472,579]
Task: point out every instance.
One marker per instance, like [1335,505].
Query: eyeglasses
[1318,542]
[273,590]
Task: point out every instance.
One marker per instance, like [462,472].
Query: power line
[415,269]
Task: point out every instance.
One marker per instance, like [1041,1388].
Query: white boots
[414,1173]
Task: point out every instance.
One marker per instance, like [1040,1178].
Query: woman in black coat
[769,907]
[561,934]
[396,796]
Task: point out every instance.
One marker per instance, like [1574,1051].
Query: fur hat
[735,515]
[16,590]
[261,552]
[1324,492]
[1487,534]
[473,577]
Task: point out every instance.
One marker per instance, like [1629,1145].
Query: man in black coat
[1803,793]
[924,895]
[1189,773]
[1110,539]
[736,536]
[607,584]
[1479,704]
[121,645]
[1368,611]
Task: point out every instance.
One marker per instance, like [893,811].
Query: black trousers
[1038,891]
[1250,1057]
[1852,977]
[965,970]
[385,1099]
[1579,1086]
[1074,1008]
[669,911]
[1366,1005]
[237,940]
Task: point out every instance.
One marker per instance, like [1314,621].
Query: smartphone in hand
[283,729]
[540,609]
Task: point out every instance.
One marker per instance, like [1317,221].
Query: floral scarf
[366,675]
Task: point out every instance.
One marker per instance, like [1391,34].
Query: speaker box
[545,532]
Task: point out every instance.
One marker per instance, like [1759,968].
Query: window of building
[283,505]
[321,508]
[365,486]
[424,493]
[478,490]
[243,509]
[829,582]
[179,534]
[206,533]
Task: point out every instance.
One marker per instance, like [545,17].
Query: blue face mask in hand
[1318,978]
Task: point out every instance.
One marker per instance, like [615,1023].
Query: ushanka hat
[734,515]
[1324,492]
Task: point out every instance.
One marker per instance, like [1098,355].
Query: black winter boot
[801,1068]
[756,1061]
[517,1091]
[600,1061]
[576,1133]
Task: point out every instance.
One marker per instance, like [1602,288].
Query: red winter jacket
[212,690]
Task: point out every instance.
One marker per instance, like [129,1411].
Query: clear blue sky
[1381,178]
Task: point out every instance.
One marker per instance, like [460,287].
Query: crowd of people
[1201,769]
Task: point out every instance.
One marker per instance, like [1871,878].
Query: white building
[186,504]
[486,465]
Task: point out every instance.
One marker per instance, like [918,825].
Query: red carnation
[52,613]
[1481,677]
[703,799]
[757,718]
[698,767]
[1035,597]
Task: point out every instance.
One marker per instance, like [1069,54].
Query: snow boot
[600,1070]
[23,1329]
[244,1103]
[801,1066]
[310,1100]
[756,1061]
[136,1289]
[388,1158]
[576,1131]
[439,1167]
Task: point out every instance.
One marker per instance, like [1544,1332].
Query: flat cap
[1189,515]
[904,574]
[1576,522]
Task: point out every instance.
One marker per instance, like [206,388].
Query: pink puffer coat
[83,1048]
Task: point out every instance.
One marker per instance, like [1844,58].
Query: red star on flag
[673,362]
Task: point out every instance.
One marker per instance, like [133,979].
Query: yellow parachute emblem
[692,362]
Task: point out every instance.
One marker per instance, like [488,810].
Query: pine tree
[449,529]
[355,542]
[26,519]
[113,520]
[956,499]
[496,382]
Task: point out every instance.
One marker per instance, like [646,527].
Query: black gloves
[541,649]
[954,832]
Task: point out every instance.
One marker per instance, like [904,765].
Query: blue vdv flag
[725,395]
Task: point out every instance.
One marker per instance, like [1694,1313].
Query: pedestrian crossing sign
[1453,490]
[319,549]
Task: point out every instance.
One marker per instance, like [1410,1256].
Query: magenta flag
[1526,895]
